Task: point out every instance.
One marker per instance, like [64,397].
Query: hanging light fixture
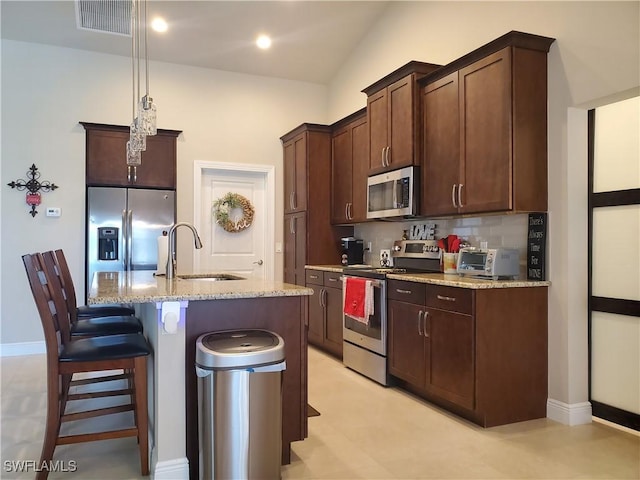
[144,110]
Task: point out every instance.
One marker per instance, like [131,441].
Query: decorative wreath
[222,209]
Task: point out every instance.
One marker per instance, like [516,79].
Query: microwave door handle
[396,186]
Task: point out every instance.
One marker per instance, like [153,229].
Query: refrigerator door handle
[130,240]
[125,235]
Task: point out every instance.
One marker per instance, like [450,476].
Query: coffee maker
[352,251]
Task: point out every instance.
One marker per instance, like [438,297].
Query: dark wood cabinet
[309,237]
[325,310]
[349,169]
[393,115]
[295,247]
[475,352]
[484,129]
[106,158]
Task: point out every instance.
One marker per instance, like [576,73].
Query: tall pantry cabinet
[309,237]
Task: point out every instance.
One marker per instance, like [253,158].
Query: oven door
[374,335]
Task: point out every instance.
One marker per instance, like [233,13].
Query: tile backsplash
[497,230]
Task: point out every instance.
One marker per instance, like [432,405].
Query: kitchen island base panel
[282,315]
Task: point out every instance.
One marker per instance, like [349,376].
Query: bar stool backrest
[66,283]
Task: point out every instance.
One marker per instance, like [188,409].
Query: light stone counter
[326,268]
[142,286]
[454,280]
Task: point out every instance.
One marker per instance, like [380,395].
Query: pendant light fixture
[144,110]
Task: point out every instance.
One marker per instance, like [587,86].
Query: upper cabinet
[349,169]
[393,117]
[106,155]
[485,130]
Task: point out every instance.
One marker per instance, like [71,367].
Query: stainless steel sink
[211,277]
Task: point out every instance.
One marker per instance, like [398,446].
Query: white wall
[596,55]
[46,91]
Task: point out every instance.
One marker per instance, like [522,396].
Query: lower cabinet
[325,310]
[477,352]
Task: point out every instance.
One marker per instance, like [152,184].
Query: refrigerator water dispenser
[107,243]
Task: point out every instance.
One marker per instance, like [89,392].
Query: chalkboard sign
[536,246]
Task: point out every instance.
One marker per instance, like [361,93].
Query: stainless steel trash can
[240,404]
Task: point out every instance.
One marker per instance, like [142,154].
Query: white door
[247,252]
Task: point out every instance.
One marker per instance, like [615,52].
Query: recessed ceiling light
[263,42]
[159,25]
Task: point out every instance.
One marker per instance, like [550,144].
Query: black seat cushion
[111,347]
[104,311]
[85,327]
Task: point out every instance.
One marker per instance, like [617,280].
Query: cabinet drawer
[314,277]
[452,299]
[332,279]
[410,292]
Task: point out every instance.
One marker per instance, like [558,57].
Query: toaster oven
[489,262]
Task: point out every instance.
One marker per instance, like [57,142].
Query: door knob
[259,262]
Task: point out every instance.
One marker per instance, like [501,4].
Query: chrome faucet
[172,265]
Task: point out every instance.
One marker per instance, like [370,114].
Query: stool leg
[142,419]
[52,428]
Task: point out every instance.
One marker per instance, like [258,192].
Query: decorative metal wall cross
[33,186]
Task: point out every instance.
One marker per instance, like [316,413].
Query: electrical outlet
[53,212]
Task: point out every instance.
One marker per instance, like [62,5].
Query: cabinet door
[401,130]
[378,120]
[485,114]
[295,238]
[333,326]
[107,166]
[451,356]
[441,133]
[341,175]
[295,174]
[316,316]
[360,170]
[406,342]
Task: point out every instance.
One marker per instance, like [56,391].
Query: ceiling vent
[107,16]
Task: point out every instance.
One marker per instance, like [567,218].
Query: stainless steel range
[365,345]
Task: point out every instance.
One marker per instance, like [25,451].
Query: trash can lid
[233,349]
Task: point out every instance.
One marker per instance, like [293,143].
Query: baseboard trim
[171,469]
[569,413]
[22,348]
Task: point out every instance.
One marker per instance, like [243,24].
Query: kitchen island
[174,313]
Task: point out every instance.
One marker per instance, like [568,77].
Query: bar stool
[65,357]
[89,321]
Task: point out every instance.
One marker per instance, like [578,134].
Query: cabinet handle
[448,299]
[315,277]
[135,174]
[382,156]
[453,196]
[460,195]
[388,156]
[294,196]
[420,313]
[399,290]
[350,211]
[292,224]
[291,200]
[424,319]
[333,279]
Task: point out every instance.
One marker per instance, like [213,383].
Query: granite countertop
[454,280]
[142,286]
[326,268]
[450,280]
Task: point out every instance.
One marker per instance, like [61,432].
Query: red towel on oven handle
[354,297]
[358,299]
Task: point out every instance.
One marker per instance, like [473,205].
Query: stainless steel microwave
[392,194]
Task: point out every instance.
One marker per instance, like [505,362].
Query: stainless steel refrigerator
[123,225]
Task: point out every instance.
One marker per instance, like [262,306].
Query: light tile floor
[364,431]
